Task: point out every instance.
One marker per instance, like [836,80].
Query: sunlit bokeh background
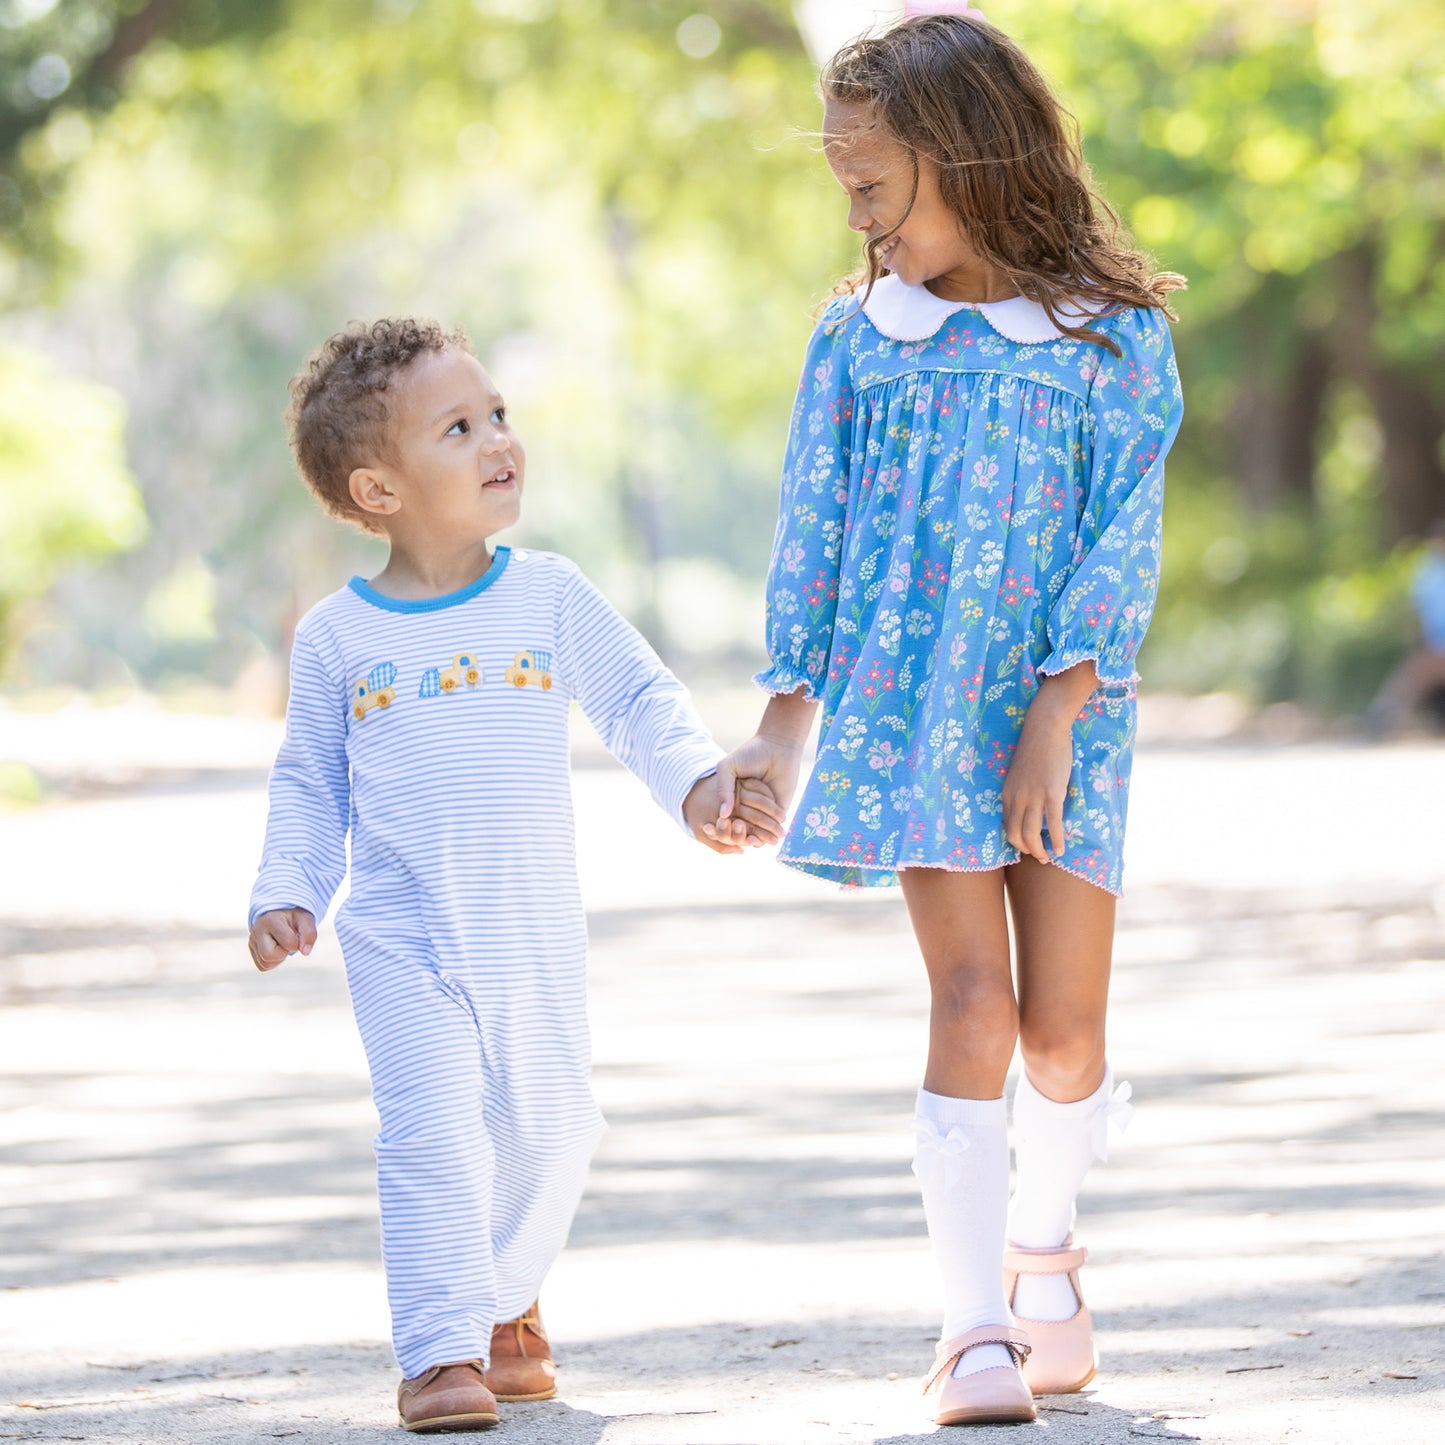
[623,205]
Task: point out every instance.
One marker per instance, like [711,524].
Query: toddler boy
[428,721]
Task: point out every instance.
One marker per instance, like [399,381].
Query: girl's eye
[499,416]
[864,190]
[459,428]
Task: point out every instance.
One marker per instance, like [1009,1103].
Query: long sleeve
[304,859]
[1107,602]
[642,713]
[802,588]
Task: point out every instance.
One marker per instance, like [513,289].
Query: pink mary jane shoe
[996,1396]
[1063,1358]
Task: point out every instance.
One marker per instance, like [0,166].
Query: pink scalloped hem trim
[1084,878]
[801,865]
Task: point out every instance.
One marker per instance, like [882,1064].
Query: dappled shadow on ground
[289,1175]
[209,1161]
[328,1393]
[243,1168]
[835,1379]
[258,1179]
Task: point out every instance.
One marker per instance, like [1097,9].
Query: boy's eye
[459,428]
[499,416]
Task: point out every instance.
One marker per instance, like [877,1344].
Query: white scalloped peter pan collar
[914,313]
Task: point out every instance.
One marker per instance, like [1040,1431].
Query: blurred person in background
[1418,684]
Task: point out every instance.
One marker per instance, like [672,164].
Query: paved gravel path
[188,1240]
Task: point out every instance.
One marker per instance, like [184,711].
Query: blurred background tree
[66,494]
[622,203]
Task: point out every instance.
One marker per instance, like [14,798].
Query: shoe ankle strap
[1016,1342]
[1019,1260]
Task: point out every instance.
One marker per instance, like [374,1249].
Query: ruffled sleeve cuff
[784,678]
[1113,671]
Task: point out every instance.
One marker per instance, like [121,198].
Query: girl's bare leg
[1064,929]
[1064,932]
[962,930]
[962,1155]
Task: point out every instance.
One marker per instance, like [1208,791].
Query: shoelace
[521,1323]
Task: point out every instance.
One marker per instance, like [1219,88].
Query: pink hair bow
[918,9]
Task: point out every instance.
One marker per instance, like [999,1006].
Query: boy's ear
[370,491]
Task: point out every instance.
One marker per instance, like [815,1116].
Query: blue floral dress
[969,500]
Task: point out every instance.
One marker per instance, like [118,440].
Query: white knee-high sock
[1054,1146]
[962,1166]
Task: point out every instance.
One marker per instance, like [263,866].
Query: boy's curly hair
[339,419]
[1010,166]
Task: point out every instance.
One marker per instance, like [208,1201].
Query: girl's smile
[922,242]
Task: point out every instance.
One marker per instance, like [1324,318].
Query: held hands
[762,764]
[275,936]
[758,817]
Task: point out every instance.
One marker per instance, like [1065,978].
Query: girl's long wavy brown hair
[1010,165]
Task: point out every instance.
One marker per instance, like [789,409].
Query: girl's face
[877,174]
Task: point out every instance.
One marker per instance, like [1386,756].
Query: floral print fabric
[958,516]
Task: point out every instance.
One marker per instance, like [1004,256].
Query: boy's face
[455,475]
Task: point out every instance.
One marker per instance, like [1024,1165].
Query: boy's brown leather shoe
[447,1397]
[521,1367]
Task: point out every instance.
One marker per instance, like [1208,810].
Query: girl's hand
[762,766]
[275,936]
[1035,789]
[772,758]
[1038,777]
[758,816]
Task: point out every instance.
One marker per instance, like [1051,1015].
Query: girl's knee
[976,1002]
[1063,1064]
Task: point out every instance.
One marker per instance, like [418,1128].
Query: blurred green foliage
[623,204]
[66,494]
[1290,159]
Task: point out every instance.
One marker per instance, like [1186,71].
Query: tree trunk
[1413,424]
[1275,424]
[1412,421]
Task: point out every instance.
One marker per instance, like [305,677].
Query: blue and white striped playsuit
[436,734]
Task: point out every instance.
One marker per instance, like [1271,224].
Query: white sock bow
[950,1145]
[1116,1110]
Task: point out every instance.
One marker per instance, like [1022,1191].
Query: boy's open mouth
[505,477]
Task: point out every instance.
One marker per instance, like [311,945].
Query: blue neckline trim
[368,593]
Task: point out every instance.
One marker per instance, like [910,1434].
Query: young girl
[965,565]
